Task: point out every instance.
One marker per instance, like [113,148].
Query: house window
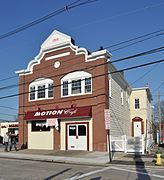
[137,104]
[65,88]
[32,93]
[41,89]
[76,83]
[87,85]
[50,90]
[39,126]
[122,97]
[76,86]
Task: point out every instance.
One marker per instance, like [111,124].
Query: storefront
[73,126]
[63,94]
[11,127]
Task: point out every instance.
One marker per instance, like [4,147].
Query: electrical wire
[7,107]
[141,77]
[46,17]
[108,47]
[137,42]
[136,38]
[118,71]
[93,66]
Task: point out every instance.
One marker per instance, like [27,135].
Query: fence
[127,144]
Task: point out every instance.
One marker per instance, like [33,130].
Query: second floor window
[50,90]
[76,86]
[41,89]
[87,85]
[32,93]
[65,88]
[137,103]
[76,83]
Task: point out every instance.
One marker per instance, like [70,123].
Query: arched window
[42,88]
[76,83]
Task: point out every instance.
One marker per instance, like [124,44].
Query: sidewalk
[79,157]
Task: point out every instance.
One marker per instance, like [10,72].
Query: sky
[100,23]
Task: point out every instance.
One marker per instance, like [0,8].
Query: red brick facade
[98,99]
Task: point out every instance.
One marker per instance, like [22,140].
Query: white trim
[57,56]
[110,87]
[40,82]
[76,76]
[58,46]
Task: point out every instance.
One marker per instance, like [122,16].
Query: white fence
[127,144]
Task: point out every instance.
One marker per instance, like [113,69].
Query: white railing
[127,144]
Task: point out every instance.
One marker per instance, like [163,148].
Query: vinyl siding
[120,113]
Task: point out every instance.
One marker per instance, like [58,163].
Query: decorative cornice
[57,41]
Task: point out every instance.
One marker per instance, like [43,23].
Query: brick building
[63,94]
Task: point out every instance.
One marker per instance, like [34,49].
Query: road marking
[115,168]
[138,172]
[89,174]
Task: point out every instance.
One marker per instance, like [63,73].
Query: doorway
[77,136]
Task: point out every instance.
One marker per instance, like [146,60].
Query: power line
[159,86]
[136,38]
[13,115]
[7,107]
[141,77]
[114,61]
[79,98]
[119,15]
[44,18]
[108,47]
[137,42]
[140,54]
[118,71]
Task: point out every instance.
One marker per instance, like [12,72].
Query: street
[26,169]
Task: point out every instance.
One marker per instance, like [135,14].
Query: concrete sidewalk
[79,157]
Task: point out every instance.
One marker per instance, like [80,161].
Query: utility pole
[159,116]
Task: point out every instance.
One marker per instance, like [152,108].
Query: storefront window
[39,126]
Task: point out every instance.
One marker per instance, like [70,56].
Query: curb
[57,161]
[118,162]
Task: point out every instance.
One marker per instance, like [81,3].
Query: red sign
[59,113]
[107,118]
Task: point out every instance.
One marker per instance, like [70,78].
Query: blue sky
[101,23]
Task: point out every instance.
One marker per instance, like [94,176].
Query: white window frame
[41,82]
[110,87]
[138,103]
[122,97]
[78,75]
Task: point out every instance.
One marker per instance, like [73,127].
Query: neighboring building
[141,113]
[119,93]
[63,94]
[8,126]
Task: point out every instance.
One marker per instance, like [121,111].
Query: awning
[59,113]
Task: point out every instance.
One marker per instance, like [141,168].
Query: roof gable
[56,39]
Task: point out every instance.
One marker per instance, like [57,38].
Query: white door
[77,136]
[137,129]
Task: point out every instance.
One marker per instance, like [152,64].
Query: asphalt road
[11,169]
